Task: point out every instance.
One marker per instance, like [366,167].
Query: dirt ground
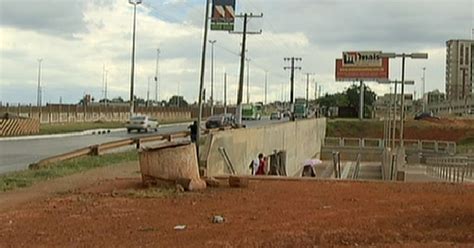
[120,213]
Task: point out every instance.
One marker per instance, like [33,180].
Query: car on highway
[140,123]
[218,121]
[275,116]
[425,116]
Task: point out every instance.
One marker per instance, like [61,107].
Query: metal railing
[448,147]
[451,169]
[96,150]
[355,175]
[336,158]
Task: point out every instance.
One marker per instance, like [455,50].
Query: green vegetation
[350,98]
[27,178]
[76,127]
[466,145]
[354,128]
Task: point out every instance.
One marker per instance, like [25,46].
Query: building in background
[459,69]
[434,97]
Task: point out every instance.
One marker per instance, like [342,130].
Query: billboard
[365,66]
[223,15]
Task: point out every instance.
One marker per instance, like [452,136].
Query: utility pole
[225,92]
[106,86]
[423,90]
[132,74]
[103,81]
[212,75]
[148,93]
[156,74]
[266,85]
[292,69]
[307,89]
[394,126]
[246,16]
[203,71]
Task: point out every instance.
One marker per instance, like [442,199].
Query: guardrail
[452,169]
[355,175]
[96,150]
[336,159]
[412,145]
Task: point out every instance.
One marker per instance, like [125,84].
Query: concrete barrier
[301,140]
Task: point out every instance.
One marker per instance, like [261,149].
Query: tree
[176,101]
[353,96]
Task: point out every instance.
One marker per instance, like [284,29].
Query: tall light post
[132,76]
[402,107]
[212,75]
[156,74]
[38,97]
[423,89]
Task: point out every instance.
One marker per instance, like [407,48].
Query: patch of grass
[77,127]
[354,128]
[27,178]
[466,145]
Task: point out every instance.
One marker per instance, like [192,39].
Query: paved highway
[18,154]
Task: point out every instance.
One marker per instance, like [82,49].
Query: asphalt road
[18,154]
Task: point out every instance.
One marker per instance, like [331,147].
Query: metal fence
[452,169]
[448,147]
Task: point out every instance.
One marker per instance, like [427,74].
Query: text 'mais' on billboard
[223,15]
[361,59]
[365,66]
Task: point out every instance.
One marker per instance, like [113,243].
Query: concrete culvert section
[171,163]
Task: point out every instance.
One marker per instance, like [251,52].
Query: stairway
[370,172]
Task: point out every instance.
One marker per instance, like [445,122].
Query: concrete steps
[370,172]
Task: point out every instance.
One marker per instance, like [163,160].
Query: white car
[144,123]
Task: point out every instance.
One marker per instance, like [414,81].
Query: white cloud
[75,43]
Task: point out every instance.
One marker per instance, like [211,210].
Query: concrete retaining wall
[301,140]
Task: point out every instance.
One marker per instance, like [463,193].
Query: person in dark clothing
[262,164]
[194,131]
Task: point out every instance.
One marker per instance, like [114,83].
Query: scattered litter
[326,207]
[10,222]
[180,227]
[218,219]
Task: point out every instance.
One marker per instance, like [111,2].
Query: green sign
[223,15]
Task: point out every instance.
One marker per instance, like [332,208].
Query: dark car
[424,116]
[218,121]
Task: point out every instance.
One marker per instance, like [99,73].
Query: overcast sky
[75,38]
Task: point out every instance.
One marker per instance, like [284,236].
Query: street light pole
[38,97]
[132,76]
[423,90]
[402,107]
[212,75]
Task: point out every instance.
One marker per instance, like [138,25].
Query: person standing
[262,164]
[193,128]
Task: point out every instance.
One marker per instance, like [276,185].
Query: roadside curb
[101,131]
